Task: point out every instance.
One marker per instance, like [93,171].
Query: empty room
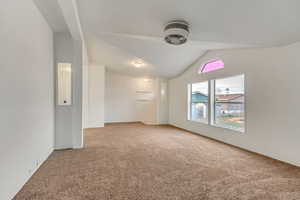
[150,100]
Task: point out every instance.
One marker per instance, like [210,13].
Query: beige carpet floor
[138,162]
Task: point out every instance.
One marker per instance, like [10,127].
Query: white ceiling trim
[70,13]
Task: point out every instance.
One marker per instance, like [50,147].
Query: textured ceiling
[235,23]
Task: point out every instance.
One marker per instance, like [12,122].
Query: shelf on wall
[144,92]
[143,100]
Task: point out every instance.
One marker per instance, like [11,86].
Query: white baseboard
[63,147]
[95,125]
[271,156]
[131,121]
[29,175]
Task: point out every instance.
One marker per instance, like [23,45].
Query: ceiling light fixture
[138,63]
[176,32]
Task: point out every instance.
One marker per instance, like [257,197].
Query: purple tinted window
[212,66]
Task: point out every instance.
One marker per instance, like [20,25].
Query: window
[229,109]
[199,102]
[219,102]
[211,66]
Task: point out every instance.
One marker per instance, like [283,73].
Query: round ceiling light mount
[176,32]
[138,63]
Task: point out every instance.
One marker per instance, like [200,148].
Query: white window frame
[189,113]
[211,103]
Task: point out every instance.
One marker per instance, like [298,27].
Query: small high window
[211,66]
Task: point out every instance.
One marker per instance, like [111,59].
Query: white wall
[85,87]
[123,103]
[63,52]
[96,86]
[120,98]
[69,47]
[272,111]
[69,119]
[27,97]
[162,102]
[77,81]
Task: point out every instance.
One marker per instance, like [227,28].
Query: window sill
[228,128]
[218,126]
[198,121]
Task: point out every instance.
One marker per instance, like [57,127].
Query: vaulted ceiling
[117,32]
